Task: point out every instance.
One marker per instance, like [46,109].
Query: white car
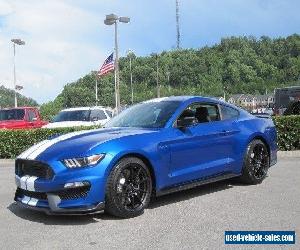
[83,116]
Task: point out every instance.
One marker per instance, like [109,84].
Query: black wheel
[256,163]
[128,189]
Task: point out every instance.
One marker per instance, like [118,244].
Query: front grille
[73,193]
[37,195]
[67,194]
[33,168]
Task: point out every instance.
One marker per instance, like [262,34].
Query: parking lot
[192,219]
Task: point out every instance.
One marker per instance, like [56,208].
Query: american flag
[107,66]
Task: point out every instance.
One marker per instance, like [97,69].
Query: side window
[109,113]
[213,112]
[228,113]
[201,113]
[31,115]
[97,115]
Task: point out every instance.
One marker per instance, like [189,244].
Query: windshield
[75,115]
[145,115]
[12,114]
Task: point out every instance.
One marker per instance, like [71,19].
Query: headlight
[83,161]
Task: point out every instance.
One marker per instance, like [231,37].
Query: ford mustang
[153,148]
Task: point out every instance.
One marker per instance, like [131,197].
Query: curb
[295,153]
[4,161]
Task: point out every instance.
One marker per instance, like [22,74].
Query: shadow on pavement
[190,193]
[66,220]
[156,202]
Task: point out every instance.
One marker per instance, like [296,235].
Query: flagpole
[116,94]
[96,90]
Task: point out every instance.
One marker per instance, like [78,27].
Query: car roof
[85,108]
[188,98]
[179,98]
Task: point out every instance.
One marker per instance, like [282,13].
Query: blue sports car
[153,148]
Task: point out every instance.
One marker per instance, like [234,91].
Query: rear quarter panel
[251,128]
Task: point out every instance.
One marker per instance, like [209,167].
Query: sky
[66,39]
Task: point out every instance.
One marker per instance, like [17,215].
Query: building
[251,102]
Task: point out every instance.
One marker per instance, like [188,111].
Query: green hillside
[7,99]
[236,65]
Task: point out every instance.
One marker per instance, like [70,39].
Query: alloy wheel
[133,185]
[259,161]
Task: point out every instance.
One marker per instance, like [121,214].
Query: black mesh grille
[33,168]
[67,194]
[73,193]
[37,195]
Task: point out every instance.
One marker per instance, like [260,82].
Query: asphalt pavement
[192,219]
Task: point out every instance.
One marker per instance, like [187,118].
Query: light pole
[18,42]
[110,20]
[129,53]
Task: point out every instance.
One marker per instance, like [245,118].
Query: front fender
[153,160]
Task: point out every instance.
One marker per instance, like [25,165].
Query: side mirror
[94,119]
[34,119]
[185,122]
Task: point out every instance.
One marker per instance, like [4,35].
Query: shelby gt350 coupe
[152,148]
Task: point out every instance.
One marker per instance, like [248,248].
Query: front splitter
[67,211]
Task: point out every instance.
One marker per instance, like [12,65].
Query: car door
[200,150]
[229,117]
[32,118]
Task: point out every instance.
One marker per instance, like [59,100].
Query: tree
[239,64]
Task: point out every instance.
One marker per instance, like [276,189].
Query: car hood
[78,143]
[68,124]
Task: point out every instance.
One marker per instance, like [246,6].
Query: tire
[256,163]
[128,189]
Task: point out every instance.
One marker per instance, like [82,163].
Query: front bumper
[70,202]
[52,197]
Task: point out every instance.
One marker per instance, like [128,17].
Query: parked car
[20,118]
[262,112]
[84,116]
[152,148]
[287,101]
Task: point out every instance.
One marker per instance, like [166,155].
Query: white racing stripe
[29,201]
[23,180]
[27,183]
[30,183]
[32,202]
[25,200]
[38,150]
[29,151]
